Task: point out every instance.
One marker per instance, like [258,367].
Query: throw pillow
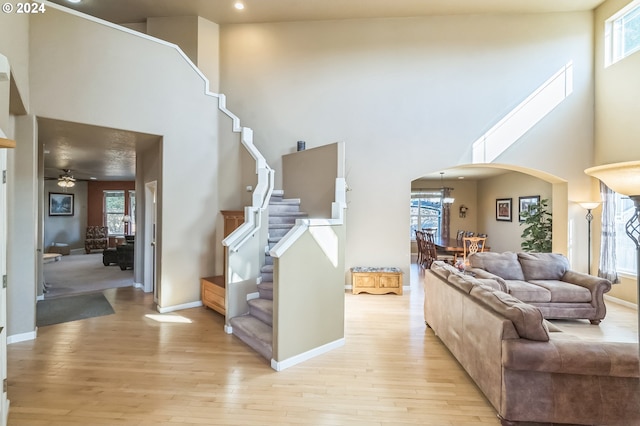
[504,265]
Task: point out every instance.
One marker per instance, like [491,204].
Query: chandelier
[66,180]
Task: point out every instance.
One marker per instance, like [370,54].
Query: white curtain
[607,266]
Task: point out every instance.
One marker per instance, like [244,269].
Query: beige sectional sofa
[529,374]
[545,280]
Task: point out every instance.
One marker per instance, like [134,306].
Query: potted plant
[536,236]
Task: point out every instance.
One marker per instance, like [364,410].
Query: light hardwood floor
[130,369]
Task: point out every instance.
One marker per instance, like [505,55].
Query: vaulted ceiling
[109,154]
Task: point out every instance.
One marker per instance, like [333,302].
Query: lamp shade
[589,205]
[623,178]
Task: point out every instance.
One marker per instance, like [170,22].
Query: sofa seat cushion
[564,292]
[528,292]
[504,265]
[527,319]
[543,266]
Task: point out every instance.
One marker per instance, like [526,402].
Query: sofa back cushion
[543,266]
[504,265]
[442,269]
[527,319]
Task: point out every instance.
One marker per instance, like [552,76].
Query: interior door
[150,264]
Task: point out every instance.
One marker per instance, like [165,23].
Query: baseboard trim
[294,360]
[41,297]
[252,296]
[138,286]
[621,302]
[22,337]
[228,329]
[167,309]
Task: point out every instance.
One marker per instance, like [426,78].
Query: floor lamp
[624,178]
[589,205]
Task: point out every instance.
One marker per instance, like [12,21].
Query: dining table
[451,245]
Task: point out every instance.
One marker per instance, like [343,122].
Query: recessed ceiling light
[239,5]
[74,1]
[93,178]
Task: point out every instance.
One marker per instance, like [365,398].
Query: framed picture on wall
[503,209]
[527,203]
[60,204]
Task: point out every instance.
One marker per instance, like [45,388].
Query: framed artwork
[503,209]
[60,204]
[526,203]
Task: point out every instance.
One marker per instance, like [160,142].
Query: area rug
[81,274]
[72,308]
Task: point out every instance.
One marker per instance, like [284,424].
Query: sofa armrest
[580,357]
[596,285]
[483,274]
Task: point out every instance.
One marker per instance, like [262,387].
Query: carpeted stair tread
[265,289]
[266,273]
[283,201]
[254,333]
[281,226]
[262,309]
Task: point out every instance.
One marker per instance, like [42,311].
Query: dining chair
[473,245]
[433,254]
[469,234]
[460,235]
[421,247]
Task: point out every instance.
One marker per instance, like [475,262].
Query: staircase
[255,327]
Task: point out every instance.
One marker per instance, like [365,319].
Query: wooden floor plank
[130,369]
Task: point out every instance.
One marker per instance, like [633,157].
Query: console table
[376,280]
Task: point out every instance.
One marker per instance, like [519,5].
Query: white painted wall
[22,229]
[14,44]
[617,89]
[408,97]
[616,120]
[503,235]
[107,77]
[65,229]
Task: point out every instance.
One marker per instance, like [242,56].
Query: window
[622,34]
[114,211]
[426,211]
[625,247]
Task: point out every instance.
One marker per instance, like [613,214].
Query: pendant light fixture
[446,191]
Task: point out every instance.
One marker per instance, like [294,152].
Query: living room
[407,94]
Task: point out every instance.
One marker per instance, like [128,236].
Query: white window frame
[107,213]
[614,34]
[435,196]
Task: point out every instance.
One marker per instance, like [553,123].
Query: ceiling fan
[66,180]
